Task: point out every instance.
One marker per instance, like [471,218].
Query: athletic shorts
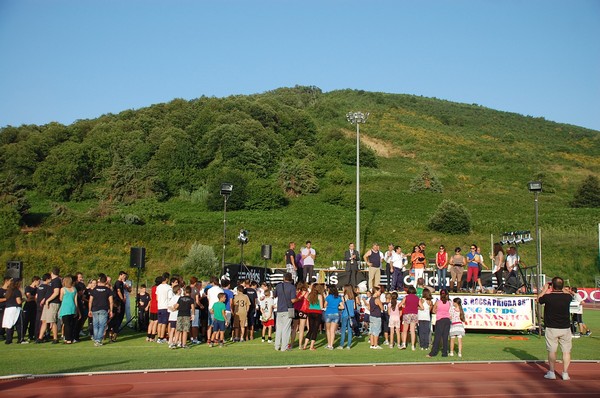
[154,316]
[183,324]
[556,337]
[50,313]
[163,317]
[301,315]
[172,324]
[270,322]
[577,318]
[218,326]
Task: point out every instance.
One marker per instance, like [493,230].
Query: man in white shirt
[308,260]
[163,292]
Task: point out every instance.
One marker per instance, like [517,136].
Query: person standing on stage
[418,261]
[290,262]
[373,259]
[308,262]
[498,261]
[473,261]
[556,301]
[387,257]
[351,256]
[441,262]
[398,261]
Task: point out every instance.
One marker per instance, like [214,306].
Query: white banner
[498,312]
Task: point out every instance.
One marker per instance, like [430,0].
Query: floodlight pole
[224,231]
[357,118]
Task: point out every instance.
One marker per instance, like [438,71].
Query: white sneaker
[377,347]
[459,355]
[386,343]
[550,375]
[451,354]
[413,348]
[565,376]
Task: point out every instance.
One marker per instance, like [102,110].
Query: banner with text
[499,312]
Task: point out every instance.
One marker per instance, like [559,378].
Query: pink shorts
[394,323]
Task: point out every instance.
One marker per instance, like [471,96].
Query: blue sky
[64,60]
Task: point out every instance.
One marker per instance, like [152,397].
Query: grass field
[132,352]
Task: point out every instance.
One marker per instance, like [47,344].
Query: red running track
[412,380]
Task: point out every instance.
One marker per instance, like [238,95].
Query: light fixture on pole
[357,118]
[536,188]
[226,190]
[243,239]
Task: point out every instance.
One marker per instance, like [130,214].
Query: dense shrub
[588,193]
[9,221]
[201,261]
[451,218]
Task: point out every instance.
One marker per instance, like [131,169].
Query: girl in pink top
[394,322]
[410,303]
[441,309]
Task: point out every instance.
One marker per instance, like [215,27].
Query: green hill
[79,196]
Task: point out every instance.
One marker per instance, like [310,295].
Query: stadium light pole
[536,188]
[357,118]
[226,190]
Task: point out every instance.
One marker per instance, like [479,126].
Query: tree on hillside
[426,181]
[588,193]
[451,218]
[64,172]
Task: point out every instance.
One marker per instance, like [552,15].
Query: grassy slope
[484,159]
[133,352]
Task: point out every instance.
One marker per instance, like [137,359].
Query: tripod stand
[137,303]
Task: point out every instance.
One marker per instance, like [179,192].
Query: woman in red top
[441,262]
[411,305]
[300,315]
[153,323]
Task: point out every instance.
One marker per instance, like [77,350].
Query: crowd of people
[179,313]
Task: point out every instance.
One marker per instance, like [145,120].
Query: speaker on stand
[14,269]
[137,260]
[265,253]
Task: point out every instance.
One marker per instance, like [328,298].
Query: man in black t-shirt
[143,303]
[42,293]
[51,307]
[557,320]
[100,308]
[185,313]
[30,308]
[253,296]
[290,262]
[119,306]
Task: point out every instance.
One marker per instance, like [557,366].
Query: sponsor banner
[237,272]
[498,312]
[589,295]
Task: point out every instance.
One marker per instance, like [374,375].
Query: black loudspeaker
[265,252]
[14,269]
[137,258]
